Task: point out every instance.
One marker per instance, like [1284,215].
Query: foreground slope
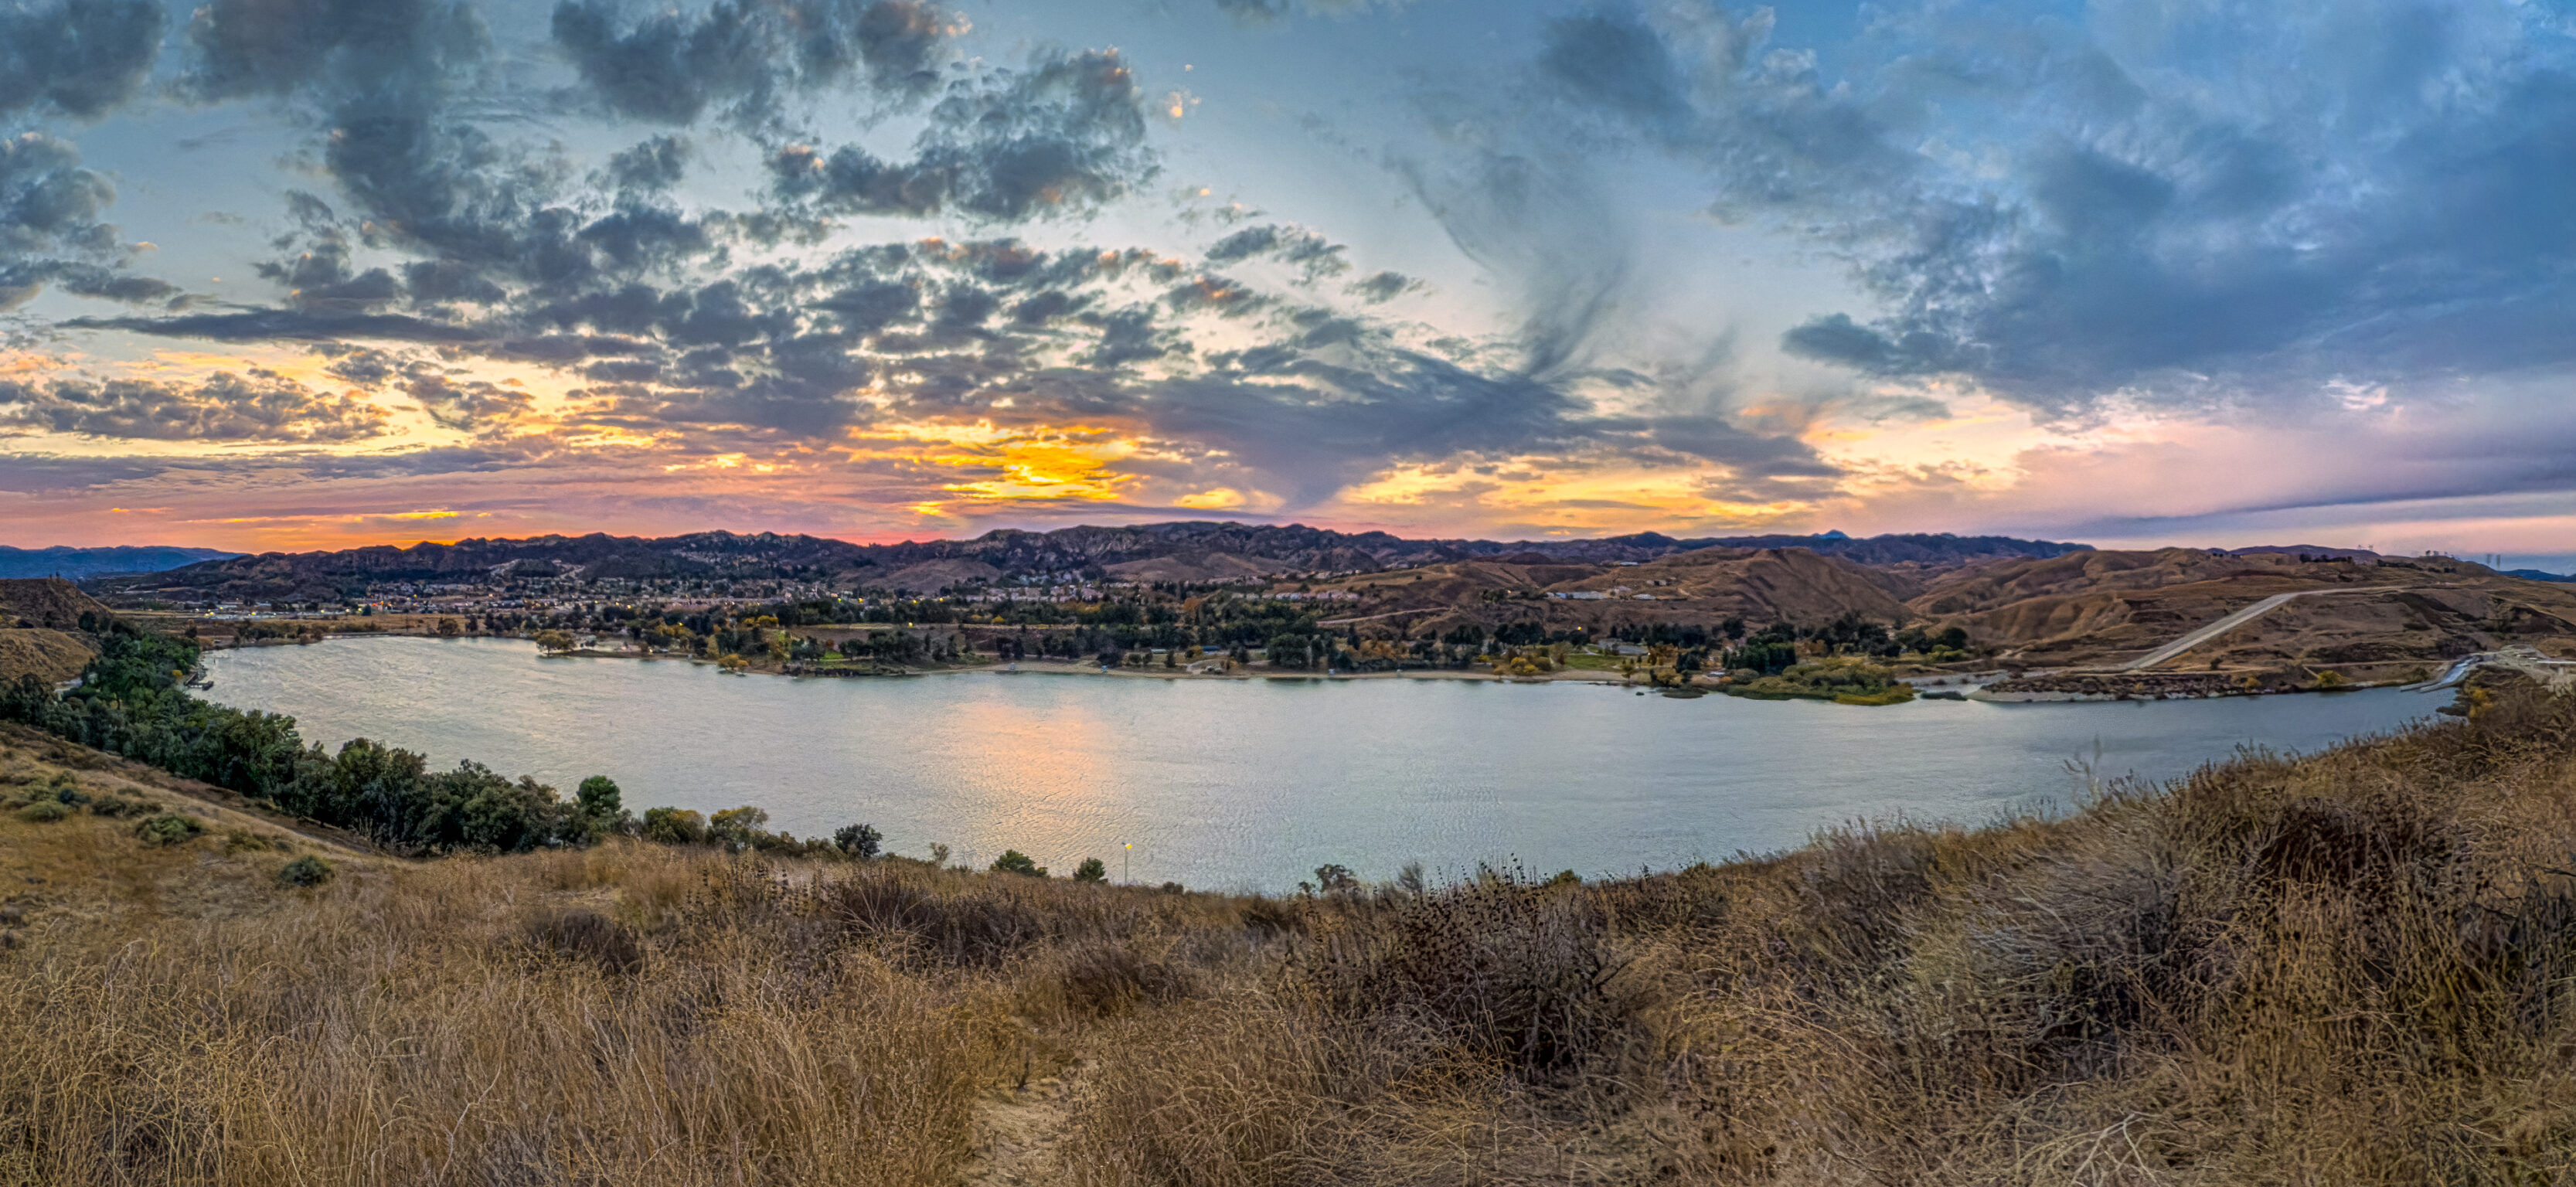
[2348,968]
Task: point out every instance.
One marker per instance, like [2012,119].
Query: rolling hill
[2367,620]
[1191,551]
[40,628]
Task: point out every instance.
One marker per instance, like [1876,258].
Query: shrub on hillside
[169,829]
[1525,974]
[43,812]
[305,871]
[117,807]
[1092,869]
[586,937]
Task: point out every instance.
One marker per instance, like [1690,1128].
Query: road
[2224,625]
[1375,617]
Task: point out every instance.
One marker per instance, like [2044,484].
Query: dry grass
[2350,968]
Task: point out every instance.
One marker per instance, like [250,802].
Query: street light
[1127,860]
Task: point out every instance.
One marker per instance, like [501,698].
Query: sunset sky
[312,273]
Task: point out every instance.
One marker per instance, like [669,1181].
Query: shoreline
[1964,691]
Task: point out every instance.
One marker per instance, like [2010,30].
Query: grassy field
[2350,968]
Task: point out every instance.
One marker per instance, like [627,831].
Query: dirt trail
[1017,1132]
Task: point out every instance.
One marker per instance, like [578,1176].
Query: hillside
[40,629]
[78,563]
[1704,587]
[1194,551]
[2345,968]
[46,602]
[2370,621]
[54,656]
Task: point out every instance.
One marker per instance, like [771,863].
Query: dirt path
[1017,1132]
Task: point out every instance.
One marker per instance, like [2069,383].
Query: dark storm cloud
[1060,136]
[82,58]
[257,406]
[2172,203]
[744,58]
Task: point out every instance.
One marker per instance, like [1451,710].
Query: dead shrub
[586,937]
[1101,979]
[1528,975]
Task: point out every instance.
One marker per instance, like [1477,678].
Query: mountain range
[81,563]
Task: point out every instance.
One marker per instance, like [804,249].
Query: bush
[1102,979]
[861,841]
[117,807]
[169,829]
[43,812]
[1012,861]
[674,826]
[307,871]
[1092,869]
[587,937]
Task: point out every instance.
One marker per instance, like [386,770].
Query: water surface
[1253,783]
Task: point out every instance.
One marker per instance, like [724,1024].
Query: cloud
[1377,288]
[257,406]
[471,405]
[1060,136]
[1261,12]
[746,57]
[2143,201]
[1312,254]
[82,58]
[51,230]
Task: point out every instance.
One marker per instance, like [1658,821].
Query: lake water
[1253,783]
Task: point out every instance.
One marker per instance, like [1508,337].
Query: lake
[1254,783]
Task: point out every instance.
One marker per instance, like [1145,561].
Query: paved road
[2224,625]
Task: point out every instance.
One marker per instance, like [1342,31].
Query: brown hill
[55,656]
[2366,620]
[40,620]
[1705,587]
[46,602]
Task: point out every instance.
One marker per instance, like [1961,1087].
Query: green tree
[1092,869]
[736,826]
[1012,861]
[674,826]
[861,841]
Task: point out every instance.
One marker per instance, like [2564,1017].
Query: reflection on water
[1251,783]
